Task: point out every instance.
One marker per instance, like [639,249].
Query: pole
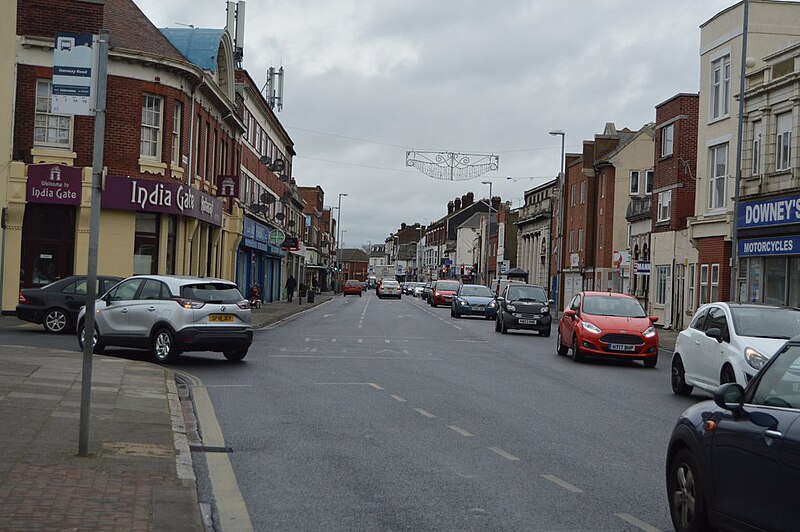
[734,293]
[338,232]
[561,251]
[94,237]
[488,232]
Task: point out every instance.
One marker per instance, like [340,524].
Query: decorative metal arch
[450,166]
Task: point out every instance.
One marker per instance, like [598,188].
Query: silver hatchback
[171,314]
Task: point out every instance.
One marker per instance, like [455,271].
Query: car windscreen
[765,322]
[447,285]
[352,283]
[623,307]
[212,292]
[391,284]
[477,290]
[530,293]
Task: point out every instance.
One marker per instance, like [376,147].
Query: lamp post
[338,231]
[488,231]
[560,233]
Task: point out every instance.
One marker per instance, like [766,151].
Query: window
[571,241]
[692,282]
[207,165]
[126,290]
[634,181]
[580,239]
[150,143]
[698,322]
[630,235]
[664,203]
[145,244]
[667,138]
[662,275]
[601,237]
[703,284]
[784,142]
[715,282]
[720,87]
[49,129]
[603,186]
[177,116]
[583,192]
[719,174]
[757,132]
[572,195]
[648,181]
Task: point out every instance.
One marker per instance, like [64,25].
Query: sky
[368,80]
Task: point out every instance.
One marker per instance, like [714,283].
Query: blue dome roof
[200,46]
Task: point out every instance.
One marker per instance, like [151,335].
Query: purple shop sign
[148,195]
[54,183]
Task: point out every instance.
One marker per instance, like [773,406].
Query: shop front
[258,260]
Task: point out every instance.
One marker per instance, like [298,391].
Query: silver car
[170,314]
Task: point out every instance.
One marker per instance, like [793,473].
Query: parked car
[351,287]
[474,300]
[442,292]
[523,306]
[418,288]
[729,342]
[734,463]
[169,315]
[426,290]
[57,304]
[607,325]
[389,288]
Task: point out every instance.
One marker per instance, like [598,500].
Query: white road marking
[307,339]
[327,315]
[388,351]
[313,350]
[504,454]
[457,327]
[353,356]
[360,340]
[398,398]
[638,523]
[342,383]
[376,386]
[405,351]
[388,341]
[563,483]
[459,430]
[424,412]
[333,340]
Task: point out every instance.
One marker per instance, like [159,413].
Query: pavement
[138,474]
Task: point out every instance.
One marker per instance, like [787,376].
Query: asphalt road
[368,414]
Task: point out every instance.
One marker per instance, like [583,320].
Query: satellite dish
[266,159]
[285,199]
[265,198]
[284,178]
[290,223]
[280,216]
[278,165]
[256,207]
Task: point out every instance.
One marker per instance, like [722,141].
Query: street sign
[642,267]
[73,74]
[276,236]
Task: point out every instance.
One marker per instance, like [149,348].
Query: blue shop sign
[780,245]
[255,231]
[249,230]
[773,211]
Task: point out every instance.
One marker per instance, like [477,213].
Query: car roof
[176,281]
[611,294]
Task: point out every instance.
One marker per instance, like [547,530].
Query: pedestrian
[291,284]
[314,284]
[302,292]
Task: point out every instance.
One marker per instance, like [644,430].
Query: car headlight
[591,327]
[493,304]
[545,309]
[649,332]
[511,308]
[755,359]
[461,301]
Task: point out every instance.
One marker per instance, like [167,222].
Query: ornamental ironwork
[450,166]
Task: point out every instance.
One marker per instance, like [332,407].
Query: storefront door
[48,244]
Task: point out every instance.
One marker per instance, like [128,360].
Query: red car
[351,287]
[442,292]
[607,325]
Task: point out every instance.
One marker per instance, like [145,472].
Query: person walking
[291,284]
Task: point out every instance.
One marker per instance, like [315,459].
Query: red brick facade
[44,18]
[713,251]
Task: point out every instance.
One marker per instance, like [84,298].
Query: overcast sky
[367,80]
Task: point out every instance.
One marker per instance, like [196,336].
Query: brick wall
[715,250]
[44,18]
[605,216]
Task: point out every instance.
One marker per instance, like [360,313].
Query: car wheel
[452,313]
[678,378]
[497,323]
[164,350]
[727,375]
[545,333]
[503,328]
[235,355]
[561,349]
[577,354]
[98,345]
[55,321]
[687,506]
[359,295]
[650,362]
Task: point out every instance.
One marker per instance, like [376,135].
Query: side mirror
[715,333]
[653,319]
[551,302]
[730,397]
[570,313]
[500,299]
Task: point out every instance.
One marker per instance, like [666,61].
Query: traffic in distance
[729,459]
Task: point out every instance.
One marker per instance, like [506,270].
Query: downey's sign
[148,195]
[773,211]
[54,183]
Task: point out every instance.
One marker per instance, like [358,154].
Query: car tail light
[22,298]
[243,304]
[189,303]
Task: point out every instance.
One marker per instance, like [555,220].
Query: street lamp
[338,230]
[560,254]
[488,230]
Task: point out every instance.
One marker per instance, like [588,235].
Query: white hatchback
[729,342]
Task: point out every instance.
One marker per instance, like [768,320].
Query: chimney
[457,203]
[402,226]
[450,207]
[467,200]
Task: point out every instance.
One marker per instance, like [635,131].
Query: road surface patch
[504,454]
[563,483]
[424,412]
[459,430]
[638,523]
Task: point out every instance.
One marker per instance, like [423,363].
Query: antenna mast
[274,88]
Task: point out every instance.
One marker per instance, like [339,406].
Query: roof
[129,28]
[473,221]
[353,255]
[199,45]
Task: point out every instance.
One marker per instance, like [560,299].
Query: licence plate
[527,322]
[622,347]
[220,317]
[478,307]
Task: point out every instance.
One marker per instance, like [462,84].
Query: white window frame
[45,121]
[583,192]
[571,241]
[714,292]
[691,288]
[783,141]
[600,235]
[664,211]
[177,121]
[758,132]
[720,94]
[718,176]
[667,140]
[662,274]
[580,239]
[704,284]
[603,186]
[152,125]
[649,178]
[572,195]
[634,182]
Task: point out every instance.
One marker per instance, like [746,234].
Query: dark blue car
[473,300]
[734,463]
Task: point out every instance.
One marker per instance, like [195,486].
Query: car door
[569,323]
[145,309]
[709,350]
[112,314]
[687,344]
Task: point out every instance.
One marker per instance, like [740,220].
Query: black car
[734,463]
[56,305]
[523,306]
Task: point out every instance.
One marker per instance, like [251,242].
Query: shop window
[794,282]
[150,141]
[50,129]
[145,244]
[775,280]
[172,230]
[754,280]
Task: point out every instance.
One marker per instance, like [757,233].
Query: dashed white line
[459,430]
[333,340]
[376,386]
[638,523]
[398,398]
[563,483]
[424,412]
[360,340]
[457,327]
[388,341]
[307,339]
[504,454]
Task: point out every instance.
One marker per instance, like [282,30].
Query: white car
[729,342]
[389,288]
